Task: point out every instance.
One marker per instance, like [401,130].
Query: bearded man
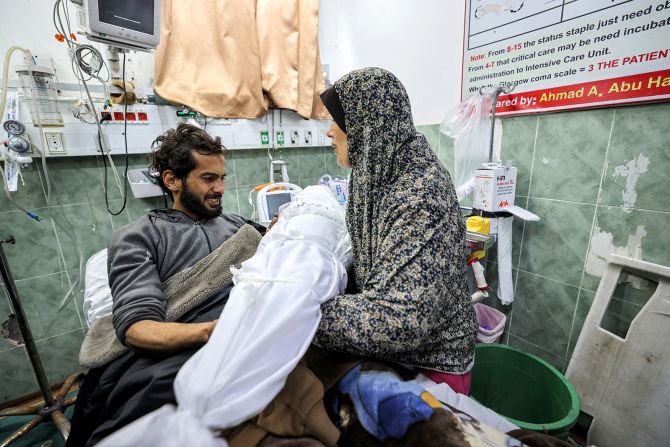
[141,257]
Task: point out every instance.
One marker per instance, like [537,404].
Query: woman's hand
[274,221]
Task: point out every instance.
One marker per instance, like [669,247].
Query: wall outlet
[295,137]
[55,143]
[322,137]
[308,137]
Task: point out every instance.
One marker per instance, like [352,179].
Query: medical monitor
[274,201]
[133,24]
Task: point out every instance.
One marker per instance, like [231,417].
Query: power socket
[295,137]
[55,143]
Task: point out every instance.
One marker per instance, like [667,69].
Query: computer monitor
[133,24]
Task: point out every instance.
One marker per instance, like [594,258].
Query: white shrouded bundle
[264,330]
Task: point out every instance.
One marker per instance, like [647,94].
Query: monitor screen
[274,201]
[137,15]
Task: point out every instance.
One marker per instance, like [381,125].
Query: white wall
[421,42]
[28,24]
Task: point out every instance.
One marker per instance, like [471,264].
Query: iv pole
[54,405]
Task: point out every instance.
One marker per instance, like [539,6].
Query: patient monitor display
[271,197]
[133,24]
[274,201]
[136,15]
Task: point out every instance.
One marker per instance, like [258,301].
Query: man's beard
[193,203]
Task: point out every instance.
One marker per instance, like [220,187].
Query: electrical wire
[125,140]
[78,72]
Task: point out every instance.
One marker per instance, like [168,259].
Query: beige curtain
[289,46]
[230,58]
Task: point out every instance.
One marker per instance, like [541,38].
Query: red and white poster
[567,54]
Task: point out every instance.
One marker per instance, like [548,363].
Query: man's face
[340,145]
[199,194]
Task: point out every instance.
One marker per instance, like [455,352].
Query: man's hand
[156,336]
[210,328]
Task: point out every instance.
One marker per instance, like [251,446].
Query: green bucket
[525,389]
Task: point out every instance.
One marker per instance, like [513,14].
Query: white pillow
[97,294]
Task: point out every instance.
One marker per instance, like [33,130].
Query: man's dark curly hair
[173,151]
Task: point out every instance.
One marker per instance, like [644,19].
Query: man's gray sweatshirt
[145,253]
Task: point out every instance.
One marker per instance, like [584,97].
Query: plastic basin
[525,389]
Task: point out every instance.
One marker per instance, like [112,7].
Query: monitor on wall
[131,24]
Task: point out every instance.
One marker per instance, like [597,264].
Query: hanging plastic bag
[469,125]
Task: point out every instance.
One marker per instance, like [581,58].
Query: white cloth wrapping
[264,330]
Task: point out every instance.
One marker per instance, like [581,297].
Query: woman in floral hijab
[411,304]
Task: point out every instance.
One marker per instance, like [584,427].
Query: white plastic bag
[469,124]
[264,330]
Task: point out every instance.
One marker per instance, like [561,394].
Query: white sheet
[266,327]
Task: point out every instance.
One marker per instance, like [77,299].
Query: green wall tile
[569,155]
[123,218]
[291,155]
[555,361]
[518,143]
[29,195]
[90,226]
[139,207]
[555,246]
[36,249]
[635,233]
[77,180]
[251,167]
[16,376]
[41,296]
[229,201]
[446,152]
[638,161]
[583,306]
[543,312]
[312,162]
[231,179]
[432,134]
[60,355]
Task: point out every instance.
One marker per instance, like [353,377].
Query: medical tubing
[68,231]
[3,101]
[33,89]
[103,143]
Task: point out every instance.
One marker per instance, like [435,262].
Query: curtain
[232,58]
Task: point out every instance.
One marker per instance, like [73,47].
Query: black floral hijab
[386,151]
[412,303]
